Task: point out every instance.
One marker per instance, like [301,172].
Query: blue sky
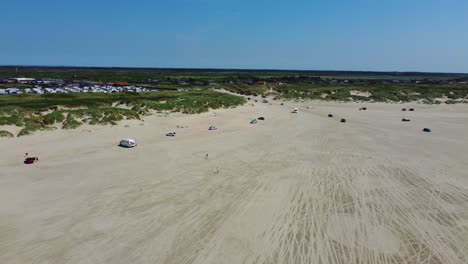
[396,35]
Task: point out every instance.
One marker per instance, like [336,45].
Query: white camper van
[128,143]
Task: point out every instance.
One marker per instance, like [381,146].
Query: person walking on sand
[217,170]
[206,157]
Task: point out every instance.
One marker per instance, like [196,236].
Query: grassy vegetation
[71,122]
[378,93]
[39,112]
[4,133]
[247,89]
[322,85]
[175,100]
[31,125]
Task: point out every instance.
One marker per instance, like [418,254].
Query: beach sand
[295,188]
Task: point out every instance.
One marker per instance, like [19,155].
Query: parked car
[128,143]
[31,160]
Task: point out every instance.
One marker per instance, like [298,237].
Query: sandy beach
[295,188]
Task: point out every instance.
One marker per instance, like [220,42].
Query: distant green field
[138,75]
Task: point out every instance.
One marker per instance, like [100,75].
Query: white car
[128,143]
[295,111]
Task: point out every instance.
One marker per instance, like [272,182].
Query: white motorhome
[128,143]
[13,90]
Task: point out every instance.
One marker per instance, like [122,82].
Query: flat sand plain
[295,188]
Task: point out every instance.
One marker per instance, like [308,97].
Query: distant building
[118,84]
[23,80]
[4,80]
[152,81]
[261,82]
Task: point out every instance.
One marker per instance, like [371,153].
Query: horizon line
[230,69]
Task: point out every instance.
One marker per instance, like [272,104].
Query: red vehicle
[31,160]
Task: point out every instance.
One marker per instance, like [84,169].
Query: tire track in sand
[357,208]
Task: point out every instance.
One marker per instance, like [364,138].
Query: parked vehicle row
[74,89]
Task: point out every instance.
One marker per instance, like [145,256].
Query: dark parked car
[31,160]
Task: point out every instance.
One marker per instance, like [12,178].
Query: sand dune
[296,188]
